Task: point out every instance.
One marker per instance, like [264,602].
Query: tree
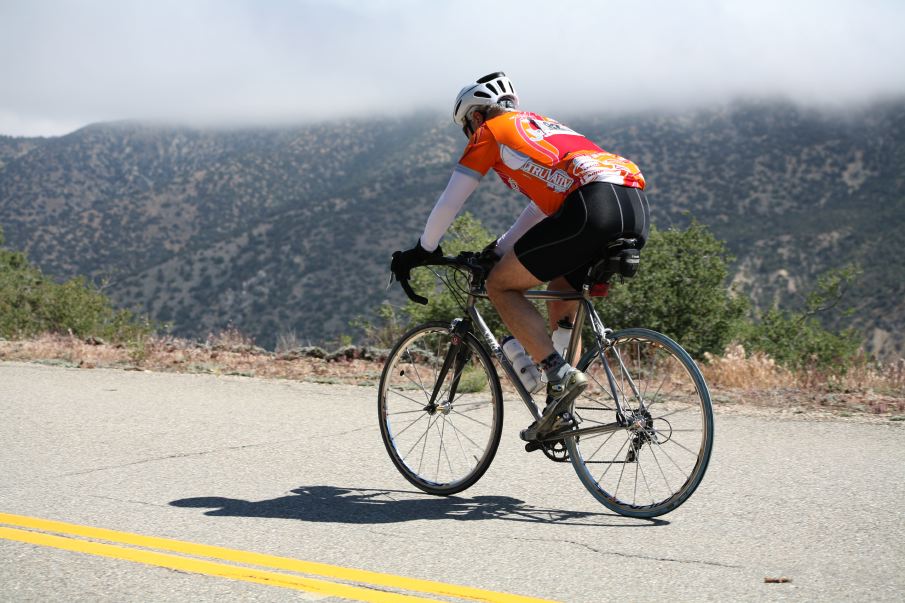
[31,304]
[680,290]
[797,339]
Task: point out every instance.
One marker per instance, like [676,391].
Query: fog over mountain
[242,62]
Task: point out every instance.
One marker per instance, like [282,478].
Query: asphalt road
[298,470]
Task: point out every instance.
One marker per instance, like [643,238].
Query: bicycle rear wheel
[441,409]
[655,462]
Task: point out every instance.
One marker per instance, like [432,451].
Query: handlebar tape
[411,294]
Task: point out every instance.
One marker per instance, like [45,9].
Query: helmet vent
[481,94]
[492,89]
[491,76]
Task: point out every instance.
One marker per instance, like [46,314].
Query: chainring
[556,451]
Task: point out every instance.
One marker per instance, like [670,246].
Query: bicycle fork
[457,357]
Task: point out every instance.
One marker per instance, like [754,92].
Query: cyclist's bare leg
[557,309]
[506,287]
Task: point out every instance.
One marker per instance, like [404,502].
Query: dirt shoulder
[363,366]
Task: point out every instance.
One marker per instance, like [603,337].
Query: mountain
[289,231]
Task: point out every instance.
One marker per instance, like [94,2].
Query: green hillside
[290,230]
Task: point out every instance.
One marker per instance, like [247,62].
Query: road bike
[639,437]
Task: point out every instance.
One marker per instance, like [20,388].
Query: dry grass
[756,379]
[228,353]
[735,369]
[736,379]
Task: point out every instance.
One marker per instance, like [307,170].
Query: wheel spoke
[442,429]
[409,398]
[406,412]
[688,450]
[464,435]
[665,452]
[464,416]
[644,476]
[622,471]
[459,440]
[399,433]
[601,446]
[662,473]
[420,382]
[615,456]
[418,441]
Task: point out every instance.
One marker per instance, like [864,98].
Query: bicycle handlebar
[476,263]
[418,299]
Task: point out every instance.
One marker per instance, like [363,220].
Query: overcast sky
[69,63]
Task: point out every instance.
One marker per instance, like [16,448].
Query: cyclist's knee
[509,276]
[495,284]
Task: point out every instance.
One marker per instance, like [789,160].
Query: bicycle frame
[585,310]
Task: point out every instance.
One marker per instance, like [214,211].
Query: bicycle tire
[473,415]
[678,426]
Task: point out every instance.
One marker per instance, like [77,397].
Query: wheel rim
[659,456]
[439,445]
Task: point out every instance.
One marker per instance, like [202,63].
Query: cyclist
[582,198]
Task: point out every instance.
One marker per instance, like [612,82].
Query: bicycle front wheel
[654,462]
[441,409]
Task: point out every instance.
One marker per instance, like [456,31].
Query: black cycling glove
[490,251]
[490,255]
[404,261]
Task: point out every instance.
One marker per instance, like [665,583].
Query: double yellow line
[347,583]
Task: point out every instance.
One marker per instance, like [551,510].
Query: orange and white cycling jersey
[543,159]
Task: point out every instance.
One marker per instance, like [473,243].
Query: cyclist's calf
[506,286]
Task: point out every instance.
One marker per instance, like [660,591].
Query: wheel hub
[444,408]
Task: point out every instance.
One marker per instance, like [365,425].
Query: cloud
[301,60]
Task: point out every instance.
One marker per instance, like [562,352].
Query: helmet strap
[467,129]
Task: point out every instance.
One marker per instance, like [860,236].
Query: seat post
[579,323]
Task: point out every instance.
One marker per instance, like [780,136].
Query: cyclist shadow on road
[329,504]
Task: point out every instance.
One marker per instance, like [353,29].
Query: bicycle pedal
[532,446]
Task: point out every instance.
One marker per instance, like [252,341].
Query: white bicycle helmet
[491,89]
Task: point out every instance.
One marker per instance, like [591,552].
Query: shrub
[680,290]
[32,303]
[798,340]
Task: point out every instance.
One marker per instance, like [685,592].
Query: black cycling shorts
[570,241]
